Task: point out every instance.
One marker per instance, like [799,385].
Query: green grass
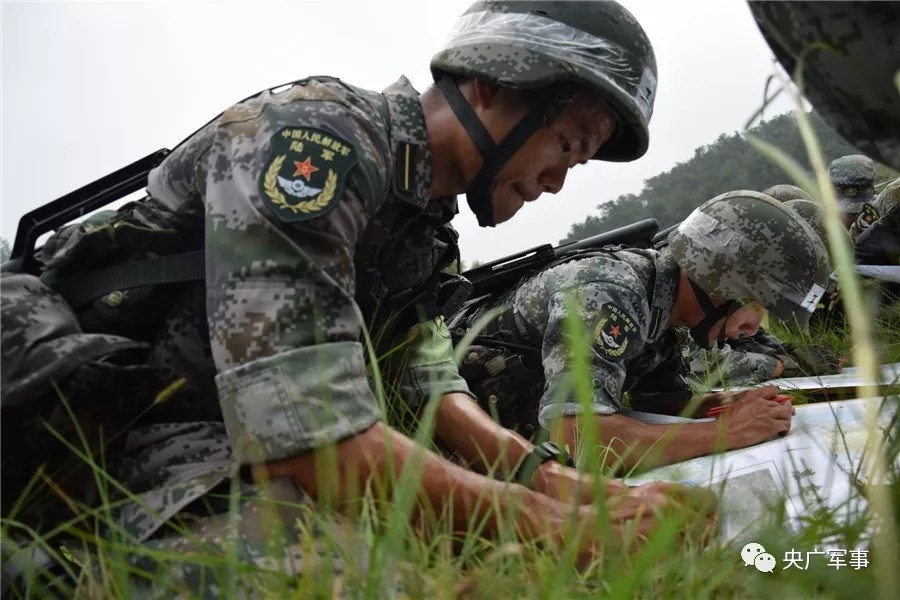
[387,538]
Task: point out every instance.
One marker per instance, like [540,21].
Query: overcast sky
[90,87]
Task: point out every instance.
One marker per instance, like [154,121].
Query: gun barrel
[640,231]
[664,234]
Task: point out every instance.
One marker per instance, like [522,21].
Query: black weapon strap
[84,287]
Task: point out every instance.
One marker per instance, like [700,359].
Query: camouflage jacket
[313,205]
[731,364]
[620,299]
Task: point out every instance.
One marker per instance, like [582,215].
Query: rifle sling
[86,286]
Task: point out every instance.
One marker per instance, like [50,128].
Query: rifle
[661,238]
[73,205]
[503,273]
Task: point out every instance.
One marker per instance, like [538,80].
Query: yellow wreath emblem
[303,206]
[598,329]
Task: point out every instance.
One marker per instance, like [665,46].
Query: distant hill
[729,163]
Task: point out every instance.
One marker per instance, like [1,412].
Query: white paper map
[849,378]
[809,467]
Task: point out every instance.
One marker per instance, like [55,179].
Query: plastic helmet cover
[744,244]
[530,44]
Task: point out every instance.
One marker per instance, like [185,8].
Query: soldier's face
[743,321]
[542,163]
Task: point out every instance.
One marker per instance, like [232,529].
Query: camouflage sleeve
[289,189]
[429,370]
[616,320]
[727,365]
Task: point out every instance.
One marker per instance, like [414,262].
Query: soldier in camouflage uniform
[879,242]
[763,356]
[738,247]
[852,55]
[853,178]
[322,208]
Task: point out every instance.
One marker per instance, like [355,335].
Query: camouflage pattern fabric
[280,191]
[622,300]
[785,192]
[888,197]
[282,541]
[849,77]
[744,244]
[528,44]
[881,246]
[811,213]
[853,177]
[728,364]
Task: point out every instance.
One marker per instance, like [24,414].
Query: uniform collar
[665,288]
[411,179]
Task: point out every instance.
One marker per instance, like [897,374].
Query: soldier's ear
[486,95]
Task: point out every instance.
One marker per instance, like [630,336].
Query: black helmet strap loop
[493,156]
[700,332]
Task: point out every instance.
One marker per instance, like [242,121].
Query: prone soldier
[732,258]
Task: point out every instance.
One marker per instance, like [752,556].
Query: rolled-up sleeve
[284,326]
[429,370]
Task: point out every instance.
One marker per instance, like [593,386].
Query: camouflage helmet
[852,55]
[888,197]
[784,192]
[812,214]
[533,44]
[745,245]
[853,177]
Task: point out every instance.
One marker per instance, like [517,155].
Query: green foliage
[729,163]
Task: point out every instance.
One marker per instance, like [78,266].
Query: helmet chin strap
[700,332]
[493,156]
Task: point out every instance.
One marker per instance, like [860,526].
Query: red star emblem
[614,330]
[304,168]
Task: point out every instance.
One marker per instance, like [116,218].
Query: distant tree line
[729,163]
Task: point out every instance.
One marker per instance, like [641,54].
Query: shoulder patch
[615,331]
[305,173]
[867,216]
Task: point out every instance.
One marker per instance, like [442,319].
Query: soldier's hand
[755,417]
[570,485]
[637,512]
[629,518]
